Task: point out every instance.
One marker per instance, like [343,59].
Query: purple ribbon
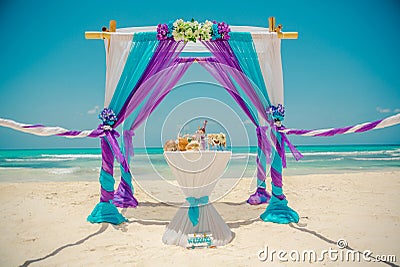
[265,145]
[112,135]
[263,142]
[128,144]
[296,153]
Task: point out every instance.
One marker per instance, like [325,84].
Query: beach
[44,223]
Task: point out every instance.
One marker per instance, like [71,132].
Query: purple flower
[220,31]
[162,32]
[281,109]
[277,112]
[224,30]
[108,117]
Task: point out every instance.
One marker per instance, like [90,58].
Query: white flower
[205,31]
[178,22]
[192,30]
[196,34]
[178,36]
[189,32]
[208,24]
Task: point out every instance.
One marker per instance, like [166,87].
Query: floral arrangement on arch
[108,117]
[277,112]
[193,31]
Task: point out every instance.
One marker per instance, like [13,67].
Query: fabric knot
[281,147]
[111,135]
[128,144]
[193,211]
[277,112]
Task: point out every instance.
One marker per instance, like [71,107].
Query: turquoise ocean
[38,165]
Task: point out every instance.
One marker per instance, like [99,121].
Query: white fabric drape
[197,173]
[42,130]
[268,47]
[117,51]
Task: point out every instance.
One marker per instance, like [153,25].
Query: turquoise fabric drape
[252,109]
[106,212]
[143,46]
[161,74]
[243,47]
[277,211]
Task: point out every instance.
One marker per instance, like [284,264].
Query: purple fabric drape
[107,165]
[165,55]
[219,72]
[128,135]
[224,54]
[124,198]
[159,86]
[161,74]
[223,73]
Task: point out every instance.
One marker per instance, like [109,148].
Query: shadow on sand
[330,241]
[231,224]
[153,213]
[103,227]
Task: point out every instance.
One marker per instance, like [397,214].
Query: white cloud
[397,110]
[248,121]
[94,110]
[383,110]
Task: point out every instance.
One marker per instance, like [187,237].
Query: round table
[197,173]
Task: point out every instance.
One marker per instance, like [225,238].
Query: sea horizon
[83,164]
[157,147]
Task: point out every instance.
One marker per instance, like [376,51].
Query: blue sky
[342,70]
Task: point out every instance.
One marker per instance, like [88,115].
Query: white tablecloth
[197,172]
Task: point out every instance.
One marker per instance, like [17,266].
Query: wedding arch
[143,64]
[142,68]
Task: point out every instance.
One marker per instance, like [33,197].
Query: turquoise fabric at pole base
[106,212]
[277,210]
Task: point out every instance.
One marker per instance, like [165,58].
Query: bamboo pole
[271,24]
[106,35]
[271,27]
[281,35]
[113,28]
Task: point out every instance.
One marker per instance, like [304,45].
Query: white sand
[44,224]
